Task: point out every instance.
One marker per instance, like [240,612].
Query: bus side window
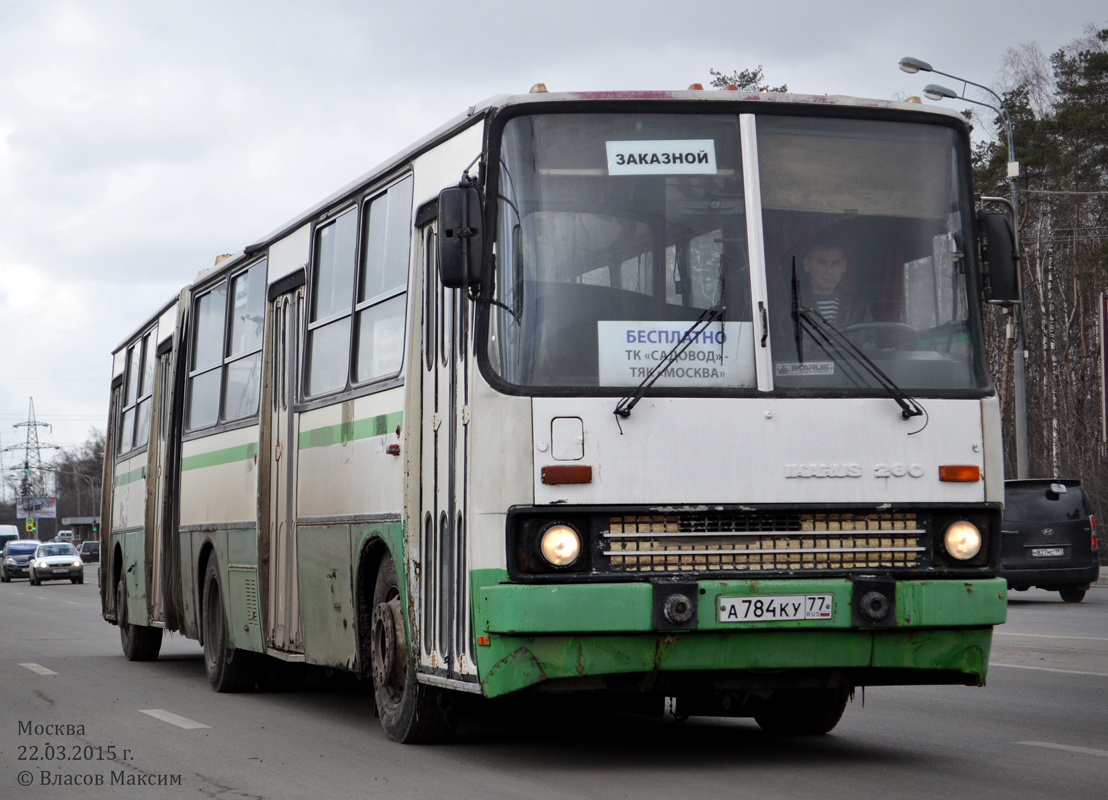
[243,370]
[206,358]
[382,283]
[134,429]
[332,291]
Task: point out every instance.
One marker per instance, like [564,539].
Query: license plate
[60,569]
[1040,552]
[774,608]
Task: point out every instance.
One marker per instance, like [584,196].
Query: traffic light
[30,525]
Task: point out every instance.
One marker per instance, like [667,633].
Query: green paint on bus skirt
[539,633]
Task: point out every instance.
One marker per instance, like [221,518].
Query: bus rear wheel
[229,669]
[410,711]
[802,712]
[139,642]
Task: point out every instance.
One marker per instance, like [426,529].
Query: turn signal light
[960,473]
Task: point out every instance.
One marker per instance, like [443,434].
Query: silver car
[55,562]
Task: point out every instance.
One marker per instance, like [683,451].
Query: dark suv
[1049,537]
[89,551]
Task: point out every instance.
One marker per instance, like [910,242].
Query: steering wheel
[882,336]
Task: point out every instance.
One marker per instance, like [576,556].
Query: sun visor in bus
[459,236]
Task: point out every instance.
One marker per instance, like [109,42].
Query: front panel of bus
[734,413]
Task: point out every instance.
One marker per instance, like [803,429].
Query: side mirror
[460,236]
[999,260]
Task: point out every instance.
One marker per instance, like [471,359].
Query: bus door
[284,599]
[444,608]
[156,505]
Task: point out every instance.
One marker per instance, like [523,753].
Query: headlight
[75,564]
[10,562]
[962,540]
[560,545]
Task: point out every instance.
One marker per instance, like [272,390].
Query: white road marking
[1048,669]
[173,719]
[1044,636]
[41,670]
[1086,750]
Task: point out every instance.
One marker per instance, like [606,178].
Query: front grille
[762,542]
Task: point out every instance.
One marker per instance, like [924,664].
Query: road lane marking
[41,670]
[173,719]
[1086,750]
[1049,669]
[1044,636]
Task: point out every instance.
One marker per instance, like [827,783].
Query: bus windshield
[617,232]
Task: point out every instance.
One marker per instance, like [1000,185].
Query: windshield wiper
[707,317]
[834,342]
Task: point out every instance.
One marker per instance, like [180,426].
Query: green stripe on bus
[228,455]
[130,477]
[349,431]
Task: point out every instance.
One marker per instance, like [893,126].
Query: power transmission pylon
[32,483]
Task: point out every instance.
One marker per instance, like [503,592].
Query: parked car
[55,562]
[1048,537]
[89,551]
[17,554]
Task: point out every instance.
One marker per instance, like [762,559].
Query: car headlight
[10,562]
[560,545]
[962,540]
[75,564]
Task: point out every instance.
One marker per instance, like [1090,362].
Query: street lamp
[1019,377]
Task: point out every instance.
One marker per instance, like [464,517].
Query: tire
[139,642]
[31,579]
[410,712]
[1071,595]
[229,669]
[802,712]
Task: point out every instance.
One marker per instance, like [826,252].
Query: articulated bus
[555,400]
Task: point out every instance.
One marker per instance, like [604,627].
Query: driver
[824,266]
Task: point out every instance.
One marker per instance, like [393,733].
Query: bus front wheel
[802,712]
[409,711]
[139,642]
[229,669]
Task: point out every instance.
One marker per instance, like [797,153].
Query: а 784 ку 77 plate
[775,608]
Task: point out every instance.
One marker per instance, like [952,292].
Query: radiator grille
[762,542]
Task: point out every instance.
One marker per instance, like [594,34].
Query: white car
[55,562]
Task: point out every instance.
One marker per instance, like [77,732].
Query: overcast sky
[138,140]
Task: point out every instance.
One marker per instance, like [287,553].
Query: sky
[138,140]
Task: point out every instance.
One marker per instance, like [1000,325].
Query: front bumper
[937,631]
[1051,579]
[59,573]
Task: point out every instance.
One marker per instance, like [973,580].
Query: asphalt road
[1037,730]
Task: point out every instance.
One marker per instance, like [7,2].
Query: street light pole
[1019,355]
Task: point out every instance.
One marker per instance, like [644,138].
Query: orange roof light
[960,473]
[696,87]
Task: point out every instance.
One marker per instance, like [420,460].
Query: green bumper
[531,634]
